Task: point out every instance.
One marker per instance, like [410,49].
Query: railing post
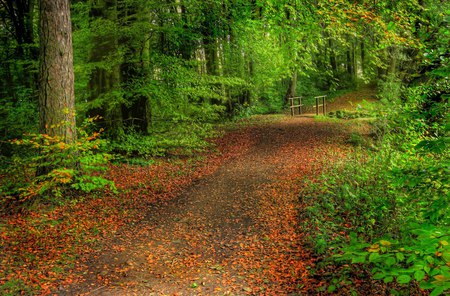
[324,107]
[317,106]
[291,102]
[300,105]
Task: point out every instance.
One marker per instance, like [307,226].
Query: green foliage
[424,257]
[390,90]
[15,287]
[392,202]
[16,118]
[77,165]
[400,197]
[181,140]
[344,114]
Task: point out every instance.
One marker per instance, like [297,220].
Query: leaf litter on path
[234,230]
[222,225]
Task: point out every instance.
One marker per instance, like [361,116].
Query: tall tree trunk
[333,62]
[135,113]
[188,44]
[104,81]
[351,63]
[211,55]
[393,56]
[56,78]
[354,62]
[21,13]
[363,57]
[292,87]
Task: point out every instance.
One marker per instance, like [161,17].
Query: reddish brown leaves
[234,232]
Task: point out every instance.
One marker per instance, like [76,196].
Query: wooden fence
[296,102]
[293,105]
[323,105]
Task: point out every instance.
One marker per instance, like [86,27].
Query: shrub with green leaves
[78,166]
[172,139]
[387,209]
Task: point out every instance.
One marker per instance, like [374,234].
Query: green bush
[174,139]
[344,114]
[79,166]
[387,209]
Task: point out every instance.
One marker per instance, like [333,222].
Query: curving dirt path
[233,232]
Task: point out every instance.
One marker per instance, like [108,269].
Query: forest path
[233,232]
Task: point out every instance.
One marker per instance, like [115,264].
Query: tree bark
[363,57]
[290,93]
[333,62]
[56,78]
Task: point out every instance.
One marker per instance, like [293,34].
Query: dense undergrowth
[384,209]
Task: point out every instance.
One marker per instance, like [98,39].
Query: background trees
[156,74]
[163,71]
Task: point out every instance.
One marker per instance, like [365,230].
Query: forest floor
[223,224]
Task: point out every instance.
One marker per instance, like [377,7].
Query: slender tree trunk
[363,57]
[292,87]
[104,81]
[21,13]
[333,62]
[188,47]
[211,55]
[354,62]
[393,53]
[349,63]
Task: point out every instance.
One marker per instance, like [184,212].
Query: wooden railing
[293,105]
[324,109]
[296,102]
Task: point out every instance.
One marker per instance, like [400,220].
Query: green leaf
[331,288]
[419,275]
[390,26]
[412,258]
[437,291]
[435,271]
[388,279]
[446,256]
[404,279]
[373,257]
[359,259]
[390,261]
[400,257]
[426,285]
[378,276]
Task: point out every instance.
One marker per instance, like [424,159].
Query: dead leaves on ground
[44,250]
[48,248]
